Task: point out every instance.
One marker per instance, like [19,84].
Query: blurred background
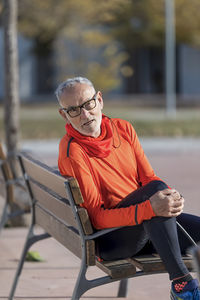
[130,49]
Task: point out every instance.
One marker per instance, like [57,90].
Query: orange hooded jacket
[104,182]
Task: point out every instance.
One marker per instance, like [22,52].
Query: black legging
[156,235]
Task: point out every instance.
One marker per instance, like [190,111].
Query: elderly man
[120,188]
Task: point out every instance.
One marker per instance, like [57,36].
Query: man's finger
[177,212]
[168,191]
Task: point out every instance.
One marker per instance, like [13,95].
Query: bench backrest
[56,206]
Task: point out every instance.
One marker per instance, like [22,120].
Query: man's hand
[167,203]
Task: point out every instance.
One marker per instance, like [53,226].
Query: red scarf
[98,147]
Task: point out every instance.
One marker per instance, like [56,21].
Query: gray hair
[70,83]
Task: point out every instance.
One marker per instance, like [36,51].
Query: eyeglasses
[75,111]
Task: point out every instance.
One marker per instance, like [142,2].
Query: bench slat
[85,220]
[82,212]
[152,263]
[51,203]
[75,190]
[117,269]
[44,175]
[147,264]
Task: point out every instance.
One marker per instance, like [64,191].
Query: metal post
[170,44]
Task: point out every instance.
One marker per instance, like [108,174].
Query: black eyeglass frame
[67,110]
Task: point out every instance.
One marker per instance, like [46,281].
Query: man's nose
[84,112]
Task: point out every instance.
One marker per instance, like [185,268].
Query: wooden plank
[44,175]
[85,220]
[50,202]
[127,268]
[75,190]
[148,264]
[58,230]
[78,199]
[117,269]
[152,263]
[90,253]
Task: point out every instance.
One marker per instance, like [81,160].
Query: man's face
[89,121]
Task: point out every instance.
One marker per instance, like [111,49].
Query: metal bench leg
[82,284]
[30,240]
[123,288]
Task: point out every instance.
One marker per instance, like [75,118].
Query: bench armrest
[100,233]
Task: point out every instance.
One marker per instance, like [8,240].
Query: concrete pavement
[178,164]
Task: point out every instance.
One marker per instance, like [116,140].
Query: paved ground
[177,162]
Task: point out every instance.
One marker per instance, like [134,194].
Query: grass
[44,122]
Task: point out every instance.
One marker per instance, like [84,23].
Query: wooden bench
[8,185]
[56,208]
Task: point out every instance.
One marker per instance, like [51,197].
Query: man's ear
[100,99]
[63,115]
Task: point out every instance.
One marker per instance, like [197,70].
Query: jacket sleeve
[145,170]
[79,167]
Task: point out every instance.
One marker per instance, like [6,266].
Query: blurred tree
[89,52]
[11,100]
[188,22]
[96,28]
[11,103]
[48,21]
[139,24]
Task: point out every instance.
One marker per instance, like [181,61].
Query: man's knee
[152,187]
